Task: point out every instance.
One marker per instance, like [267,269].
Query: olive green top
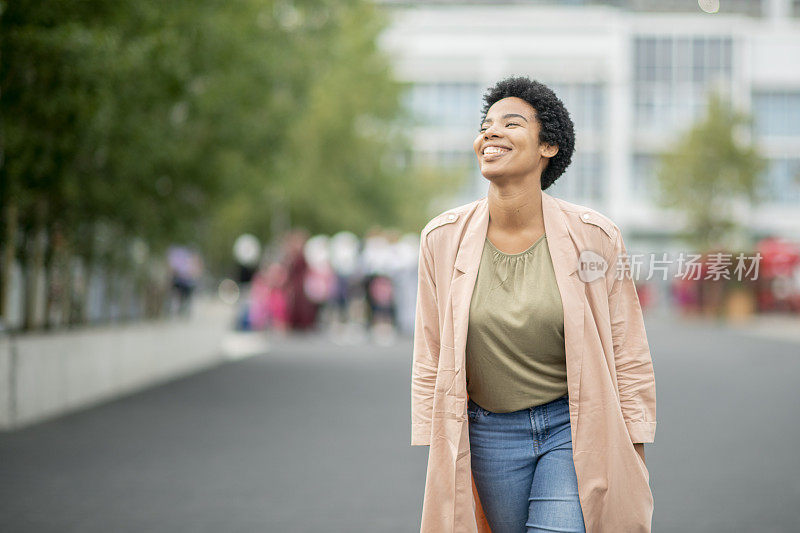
[515,354]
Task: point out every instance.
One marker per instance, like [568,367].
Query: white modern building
[634,74]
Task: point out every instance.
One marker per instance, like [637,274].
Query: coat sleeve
[634,366]
[426,350]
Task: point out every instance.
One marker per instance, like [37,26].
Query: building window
[585,103]
[777,113]
[782,180]
[672,76]
[459,105]
[446,105]
[583,180]
[643,169]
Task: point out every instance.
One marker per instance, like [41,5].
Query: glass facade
[776,123]
[447,105]
[777,113]
[583,179]
[672,76]
[458,105]
[643,170]
[632,80]
[585,103]
[783,180]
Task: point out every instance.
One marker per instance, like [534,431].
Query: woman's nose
[490,131]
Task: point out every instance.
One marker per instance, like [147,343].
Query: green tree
[328,155]
[127,126]
[709,171]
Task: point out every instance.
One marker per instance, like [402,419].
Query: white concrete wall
[43,375]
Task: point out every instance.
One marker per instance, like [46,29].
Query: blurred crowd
[348,286]
[357,288]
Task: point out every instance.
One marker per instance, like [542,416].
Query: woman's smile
[493,156]
[492,152]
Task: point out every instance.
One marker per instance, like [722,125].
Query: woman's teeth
[494,150]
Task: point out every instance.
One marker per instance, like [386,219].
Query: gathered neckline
[504,254]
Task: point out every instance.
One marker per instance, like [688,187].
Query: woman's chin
[493,174]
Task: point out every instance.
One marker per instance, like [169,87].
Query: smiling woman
[527,116]
[532,385]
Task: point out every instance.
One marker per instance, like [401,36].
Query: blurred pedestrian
[378,259]
[344,257]
[302,311]
[186,267]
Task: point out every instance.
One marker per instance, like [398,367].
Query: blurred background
[209,231]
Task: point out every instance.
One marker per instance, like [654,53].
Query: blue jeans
[523,469]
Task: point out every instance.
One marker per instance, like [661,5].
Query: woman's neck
[515,207]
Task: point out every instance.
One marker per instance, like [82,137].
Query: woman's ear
[548,150]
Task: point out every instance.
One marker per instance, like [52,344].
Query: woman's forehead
[511,104]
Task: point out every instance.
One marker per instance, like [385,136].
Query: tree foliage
[711,171]
[194,121]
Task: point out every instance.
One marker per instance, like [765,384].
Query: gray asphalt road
[313,437]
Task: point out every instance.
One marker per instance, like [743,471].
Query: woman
[532,380]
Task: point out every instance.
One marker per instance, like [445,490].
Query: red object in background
[380,289]
[779,257]
[645,293]
[778,268]
[685,293]
[268,305]
[302,311]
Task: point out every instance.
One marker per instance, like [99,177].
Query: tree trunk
[9,253]
[82,300]
[36,264]
[60,287]
[66,278]
[51,278]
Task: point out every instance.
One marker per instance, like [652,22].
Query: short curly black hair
[554,120]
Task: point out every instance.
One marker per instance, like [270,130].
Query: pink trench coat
[610,380]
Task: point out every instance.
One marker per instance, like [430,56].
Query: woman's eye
[482,130]
[512,124]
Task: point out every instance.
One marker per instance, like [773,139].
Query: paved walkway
[312,437]
[776,327]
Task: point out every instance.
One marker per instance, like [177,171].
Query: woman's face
[508,141]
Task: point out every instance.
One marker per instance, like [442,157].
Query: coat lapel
[465,273]
[564,254]
[565,264]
